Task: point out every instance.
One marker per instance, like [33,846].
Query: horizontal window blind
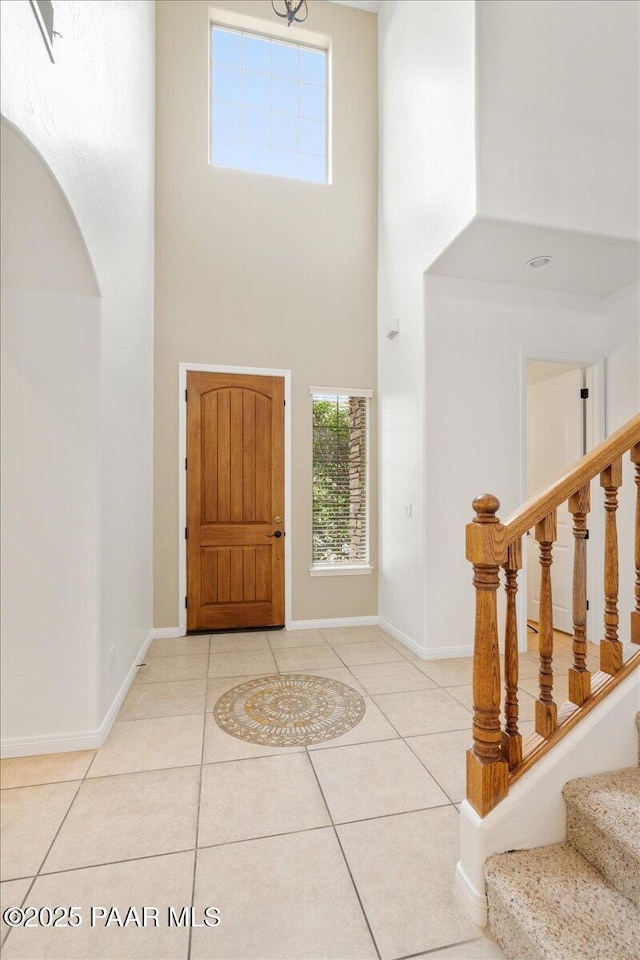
[340,479]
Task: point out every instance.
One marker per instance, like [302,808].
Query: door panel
[554,442]
[235,501]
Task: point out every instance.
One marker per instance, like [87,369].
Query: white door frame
[596,433]
[183,369]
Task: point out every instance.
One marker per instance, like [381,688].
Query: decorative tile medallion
[289,710]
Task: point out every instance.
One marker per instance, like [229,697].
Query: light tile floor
[344,850]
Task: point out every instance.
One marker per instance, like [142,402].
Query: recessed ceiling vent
[537,263]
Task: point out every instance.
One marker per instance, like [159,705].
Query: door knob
[277,534]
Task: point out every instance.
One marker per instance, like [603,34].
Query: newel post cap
[486,536]
[486,506]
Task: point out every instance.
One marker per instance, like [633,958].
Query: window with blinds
[340,479]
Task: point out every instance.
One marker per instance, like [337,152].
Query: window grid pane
[268,106]
[340,488]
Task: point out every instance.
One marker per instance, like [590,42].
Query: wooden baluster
[635,614]
[579,676]
[546,709]
[487,770]
[511,738]
[610,646]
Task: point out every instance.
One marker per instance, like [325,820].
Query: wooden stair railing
[499,756]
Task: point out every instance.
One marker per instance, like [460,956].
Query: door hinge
[185,463]
[586,535]
[185,602]
[185,395]
[587,604]
[584,393]
[185,534]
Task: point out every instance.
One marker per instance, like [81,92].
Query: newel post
[487,769]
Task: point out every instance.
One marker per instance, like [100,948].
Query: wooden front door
[235,501]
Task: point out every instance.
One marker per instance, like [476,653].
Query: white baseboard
[84,740]
[472,900]
[112,712]
[448,653]
[402,637]
[333,622]
[166,633]
[431,653]
[57,743]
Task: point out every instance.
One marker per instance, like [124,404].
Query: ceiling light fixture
[291,11]
[536,263]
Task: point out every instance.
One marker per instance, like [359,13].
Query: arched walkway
[50,458]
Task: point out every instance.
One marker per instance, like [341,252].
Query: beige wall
[259,271]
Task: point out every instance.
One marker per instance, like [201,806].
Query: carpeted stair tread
[613,799]
[551,904]
[603,824]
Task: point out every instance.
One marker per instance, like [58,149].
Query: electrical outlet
[112,658]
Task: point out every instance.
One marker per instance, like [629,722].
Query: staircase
[578,900]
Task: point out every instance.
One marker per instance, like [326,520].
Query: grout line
[266,836]
[339,746]
[111,863]
[136,773]
[45,783]
[396,813]
[344,857]
[144,683]
[444,946]
[432,775]
[437,733]
[171,853]
[195,856]
[391,724]
[164,716]
[161,656]
[55,836]
[273,654]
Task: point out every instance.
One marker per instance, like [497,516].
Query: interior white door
[555,440]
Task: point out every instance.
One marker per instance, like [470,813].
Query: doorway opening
[564,420]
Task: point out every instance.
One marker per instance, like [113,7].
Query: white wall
[622,311]
[474,421]
[50,608]
[559,109]
[427,195]
[91,116]
[50,465]
[545,151]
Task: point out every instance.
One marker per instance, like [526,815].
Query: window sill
[341,570]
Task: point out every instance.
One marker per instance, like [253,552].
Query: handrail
[538,507]
[499,755]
